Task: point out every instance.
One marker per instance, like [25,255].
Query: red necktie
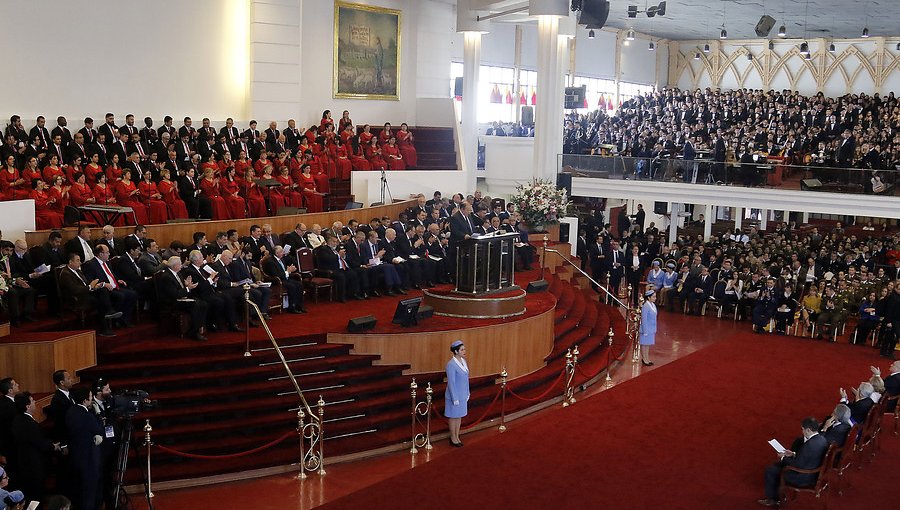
[112,278]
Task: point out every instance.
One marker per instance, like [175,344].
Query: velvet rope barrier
[480,419]
[542,395]
[229,456]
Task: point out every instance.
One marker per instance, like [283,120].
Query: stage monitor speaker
[593,13]
[352,205]
[660,208]
[290,211]
[407,312]
[361,324]
[537,286]
[458,87]
[527,115]
[810,184]
[764,26]
[425,312]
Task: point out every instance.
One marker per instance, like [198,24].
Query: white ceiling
[702,19]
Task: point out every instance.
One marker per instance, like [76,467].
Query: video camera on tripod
[124,406]
[128,403]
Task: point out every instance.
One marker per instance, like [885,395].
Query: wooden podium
[486,264]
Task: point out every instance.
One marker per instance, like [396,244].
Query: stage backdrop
[366,52]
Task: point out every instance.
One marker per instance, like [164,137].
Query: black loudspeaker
[810,184]
[425,312]
[660,207]
[458,87]
[574,97]
[361,324]
[537,286]
[527,115]
[564,234]
[593,13]
[764,26]
[564,180]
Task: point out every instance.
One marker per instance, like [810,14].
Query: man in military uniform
[834,313]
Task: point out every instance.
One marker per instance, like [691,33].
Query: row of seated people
[264,170]
[836,442]
[113,276]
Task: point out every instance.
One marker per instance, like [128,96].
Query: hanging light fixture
[749,55]
[591,34]
[652,46]
[831,48]
[865,33]
[771,45]
[782,31]
[697,55]
[630,36]
[706,48]
[898,46]
[723,34]
[804,48]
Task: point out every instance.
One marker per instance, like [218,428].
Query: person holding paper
[808,456]
[374,251]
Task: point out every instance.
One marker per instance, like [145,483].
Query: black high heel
[647,363]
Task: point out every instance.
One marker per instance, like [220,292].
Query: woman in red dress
[345,121]
[281,161]
[113,170]
[92,170]
[273,194]
[230,191]
[256,202]
[45,215]
[366,135]
[210,164]
[59,192]
[153,199]
[311,134]
[326,121]
[52,169]
[31,173]
[288,189]
[241,164]
[225,163]
[261,163]
[169,191]
[80,194]
[358,155]
[209,188]
[341,159]
[385,134]
[12,185]
[317,169]
[373,154]
[72,169]
[103,192]
[307,185]
[128,195]
[405,142]
[347,134]
[392,155]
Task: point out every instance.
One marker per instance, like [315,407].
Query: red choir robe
[256,202]
[50,173]
[229,190]
[210,190]
[314,202]
[45,214]
[90,174]
[374,156]
[393,157]
[125,199]
[292,197]
[174,204]
[358,160]
[159,210]
[80,195]
[9,189]
[342,160]
[410,155]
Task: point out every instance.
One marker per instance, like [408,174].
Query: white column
[738,217]
[763,219]
[787,216]
[673,223]
[805,218]
[469,111]
[707,225]
[548,115]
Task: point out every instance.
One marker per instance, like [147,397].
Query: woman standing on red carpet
[648,326]
[456,396]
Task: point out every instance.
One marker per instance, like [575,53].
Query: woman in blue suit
[648,326]
[456,397]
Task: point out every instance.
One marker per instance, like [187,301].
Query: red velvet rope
[229,456]
[479,420]
[542,395]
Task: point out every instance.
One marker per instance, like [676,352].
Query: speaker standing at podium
[456,396]
[462,225]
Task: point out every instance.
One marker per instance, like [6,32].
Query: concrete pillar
[548,115]
[786,215]
[707,225]
[738,217]
[467,23]
[763,219]
[673,223]
[805,218]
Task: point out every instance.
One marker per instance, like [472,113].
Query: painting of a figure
[366,52]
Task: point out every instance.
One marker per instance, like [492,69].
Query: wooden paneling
[165,234]
[520,346]
[4,329]
[33,363]
[457,305]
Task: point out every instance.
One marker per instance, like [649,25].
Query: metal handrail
[598,285]
[265,325]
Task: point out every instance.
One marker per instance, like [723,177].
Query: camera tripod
[120,496]
[385,188]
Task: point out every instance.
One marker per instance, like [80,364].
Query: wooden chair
[311,280]
[714,301]
[169,315]
[871,431]
[845,458]
[70,303]
[896,411]
[823,478]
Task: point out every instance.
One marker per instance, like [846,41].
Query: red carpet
[691,434]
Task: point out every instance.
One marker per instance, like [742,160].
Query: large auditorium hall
[526,254]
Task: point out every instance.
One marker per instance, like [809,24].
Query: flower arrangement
[541,203]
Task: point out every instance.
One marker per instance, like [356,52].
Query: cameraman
[102,407]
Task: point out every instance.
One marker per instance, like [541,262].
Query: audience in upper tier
[852,131]
[166,173]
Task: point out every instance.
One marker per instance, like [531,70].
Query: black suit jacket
[32,448]
[7,414]
[204,288]
[859,409]
[459,227]
[272,269]
[327,259]
[380,245]
[168,287]
[128,272]
[809,456]
[82,426]
[56,411]
[837,434]
[354,254]
[892,388]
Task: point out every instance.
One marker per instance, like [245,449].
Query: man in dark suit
[167,127]
[859,408]
[77,149]
[836,426]
[891,385]
[78,291]
[462,226]
[699,290]
[29,463]
[846,149]
[150,260]
[230,132]
[331,261]
[40,131]
[123,298]
[255,243]
[85,435]
[405,244]
[8,390]
[239,270]
[88,131]
[230,287]
[272,133]
[176,292]
[296,238]
[354,255]
[127,269]
[615,260]
[187,130]
[218,302]
[375,252]
[275,267]
[597,255]
[60,403]
[270,239]
[808,456]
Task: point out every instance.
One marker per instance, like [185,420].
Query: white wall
[16,217]
[366,186]
[595,58]
[150,58]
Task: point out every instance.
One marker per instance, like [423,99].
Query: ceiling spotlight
[771,45]
[706,48]
[651,11]
[749,56]
[590,34]
[898,46]
[807,56]
[652,46]
[831,48]
[804,48]
[865,33]
[697,56]
[723,34]
[782,31]
[630,36]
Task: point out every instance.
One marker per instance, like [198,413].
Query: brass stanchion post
[301,418]
[247,319]
[544,255]
[321,405]
[503,375]
[148,442]
[412,393]
[611,334]
[428,396]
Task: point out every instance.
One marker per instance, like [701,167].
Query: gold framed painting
[366,52]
